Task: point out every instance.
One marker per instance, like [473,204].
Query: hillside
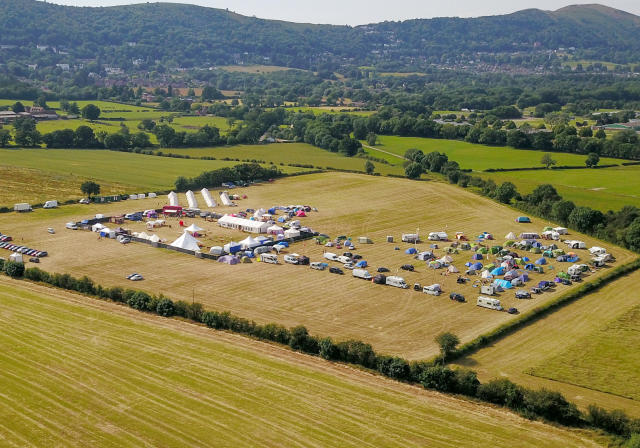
[193,36]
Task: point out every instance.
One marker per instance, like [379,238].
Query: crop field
[129,170]
[586,350]
[393,320]
[606,360]
[603,189]
[79,372]
[300,153]
[474,156]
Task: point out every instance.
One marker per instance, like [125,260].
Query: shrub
[550,405]
[393,367]
[615,422]
[438,378]
[502,392]
[356,352]
[327,348]
[36,274]
[13,269]
[139,301]
[165,307]
[466,382]
[116,294]
[85,285]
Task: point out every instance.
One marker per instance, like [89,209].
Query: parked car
[536,290]
[84,201]
[357,257]
[319,266]
[349,266]
[512,311]
[565,281]
[71,226]
[51,231]
[417,287]
[383,269]
[457,297]
[407,267]
[135,277]
[522,294]
[336,270]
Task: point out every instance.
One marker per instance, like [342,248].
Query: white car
[135,277]
[84,201]
[71,226]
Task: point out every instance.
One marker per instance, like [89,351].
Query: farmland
[122,172]
[548,353]
[474,156]
[394,321]
[603,189]
[79,372]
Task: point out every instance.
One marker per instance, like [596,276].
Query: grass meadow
[79,372]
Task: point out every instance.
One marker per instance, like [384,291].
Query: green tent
[509,243]
[563,275]
[483,250]
[535,250]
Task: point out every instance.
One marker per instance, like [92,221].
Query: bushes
[139,301]
[13,269]
[615,422]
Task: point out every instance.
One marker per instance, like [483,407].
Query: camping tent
[486,274]
[97,227]
[453,269]
[483,250]
[541,261]
[249,243]
[498,271]
[291,233]
[173,199]
[229,259]
[301,214]
[232,247]
[272,211]
[216,250]
[523,219]
[435,264]
[505,284]
[476,266]
[510,236]
[193,228]
[476,257]
[186,241]
[411,251]
[361,264]
[275,230]
[191,199]
[206,195]
[447,259]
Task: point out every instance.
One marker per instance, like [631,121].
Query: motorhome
[396,281]
[487,289]
[269,258]
[410,237]
[291,258]
[434,290]
[362,273]
[488,302]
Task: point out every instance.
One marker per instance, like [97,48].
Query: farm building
[246,225]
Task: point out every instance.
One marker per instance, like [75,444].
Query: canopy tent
[259,213]
[224,197]
[154,238]
[247,225]
[186,241]
[249,243]
[275,230]
[173,199]
[510,236]
[193,228]
[206,195]
[411,251]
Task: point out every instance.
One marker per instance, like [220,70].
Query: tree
[413,170]
[505,192]
[84,137]
[447,343]
[5,137]
[601,134]
[369,167]
[547,160]
[585,219]
[372,138]
[90,112]
[561,210]
[592,160]
[17,107]
[89,187]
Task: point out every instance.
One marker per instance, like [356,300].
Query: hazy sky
[357,12]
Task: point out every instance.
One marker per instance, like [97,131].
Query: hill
[194,36]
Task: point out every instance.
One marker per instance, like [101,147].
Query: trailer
[490,303]
[487,289]
[269,258]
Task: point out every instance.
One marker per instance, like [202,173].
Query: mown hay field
[603,189]
[79,372]
[587,350]
[474,156]
[393,320]
[120,171]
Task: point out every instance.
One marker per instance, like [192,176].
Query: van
[318,266]
[362,273]
[490,303]
[330,256]
[434,290]
[50,204]
[396,281]
[488,290]
[71,226]
[269,258]
[344,259]
[291,258]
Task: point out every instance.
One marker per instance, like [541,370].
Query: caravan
[438,236]
[488,302]
[269,258]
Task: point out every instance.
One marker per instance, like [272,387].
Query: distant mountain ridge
[194,36]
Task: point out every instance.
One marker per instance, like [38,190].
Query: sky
[358,12]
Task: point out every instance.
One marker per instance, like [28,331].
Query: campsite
[393,320]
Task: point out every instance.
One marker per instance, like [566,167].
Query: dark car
[380,279]
[565,281]
[522,294]
[34,260]
[357,257]
[303,260]
[457,297]
[348,254]
[336,271]
[383,269]
[512,311]
[44,253]
[417,287]
[407,267]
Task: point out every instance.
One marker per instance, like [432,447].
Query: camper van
[488,302]
[410,238]
[50,204]
[487,289]
[291,258]
[22,207]
[396,281]
[344,259]
[433,290]
[269,258]
[362,273]
[438,236]
[330,256]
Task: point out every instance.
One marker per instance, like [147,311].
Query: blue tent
[361,264]
[498,271]
[272,211]
[541,261]
[411,250]
[536,244]
[476,257]
[281,219]
[529,266]
[468,264]
[523,219]
[572,259]
[562,258]
[283,243]
[476,266]
[525,258]
[524,277]
[503,283]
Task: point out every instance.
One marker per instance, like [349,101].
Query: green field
[333,110]
[473,156]
[78,372]
[300,153]
[129,171]
[606,360]
[603,189]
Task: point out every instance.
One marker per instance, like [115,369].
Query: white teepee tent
[186,241]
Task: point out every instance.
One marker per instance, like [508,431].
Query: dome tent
[411,251]
[541,261]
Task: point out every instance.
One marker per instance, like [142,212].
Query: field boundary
[542,311]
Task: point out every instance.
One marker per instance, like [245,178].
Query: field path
[386,152]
